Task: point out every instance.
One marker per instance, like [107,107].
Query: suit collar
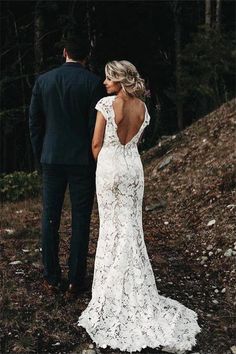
[75,64]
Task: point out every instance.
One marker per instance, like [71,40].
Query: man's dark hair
[77,47]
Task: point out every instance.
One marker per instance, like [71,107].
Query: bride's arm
[98,134]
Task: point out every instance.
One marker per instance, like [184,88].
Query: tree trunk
[90,12]
[38,47]
[152,103]
[27,139]
[1,146]
[208,13]
[179,100]
[93,37]
[72,5]
[38,31]
[4,150]
[218,14]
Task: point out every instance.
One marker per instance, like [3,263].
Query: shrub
[19,185]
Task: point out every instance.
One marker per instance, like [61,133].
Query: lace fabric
[126,311]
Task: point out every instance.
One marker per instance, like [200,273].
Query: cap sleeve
[101,107]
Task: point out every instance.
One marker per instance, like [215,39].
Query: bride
[126,311]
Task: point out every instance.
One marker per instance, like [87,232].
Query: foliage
[19,185]
[208,71]
[207,80]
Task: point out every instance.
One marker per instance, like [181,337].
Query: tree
[38,34]
[208,67]
[207,13]
[218,14]
[176,8]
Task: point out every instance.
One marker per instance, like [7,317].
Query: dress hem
[138,349]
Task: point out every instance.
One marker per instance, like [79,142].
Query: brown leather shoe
[75,289]
[50,288]
[71,292]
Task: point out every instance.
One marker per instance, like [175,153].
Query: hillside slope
[189,227]
[190,208]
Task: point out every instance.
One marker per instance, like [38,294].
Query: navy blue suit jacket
[62,114]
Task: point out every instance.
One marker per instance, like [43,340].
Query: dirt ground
[189,226]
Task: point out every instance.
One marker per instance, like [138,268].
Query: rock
[56,344]
[211,222]
[190,236]
[223,290]
[25,250]
[210,254]
[91,346]
[89,351]
[231,206]
[229,252]
[209,247]
[204,258]
[165,162]
[158,205]
[166,222]
[15,262]
[215,301]
[10,231]
[233,349]
[36,265]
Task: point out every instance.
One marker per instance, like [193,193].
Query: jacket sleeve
[98,93]
[36,121]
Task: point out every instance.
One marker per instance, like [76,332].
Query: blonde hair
[126,73]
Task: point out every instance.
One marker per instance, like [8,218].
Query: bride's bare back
[129,116]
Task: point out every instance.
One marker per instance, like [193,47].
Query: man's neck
[75,61]
[71,60]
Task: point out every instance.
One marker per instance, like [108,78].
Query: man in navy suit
[61,121]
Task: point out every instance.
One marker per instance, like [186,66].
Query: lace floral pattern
[126,310]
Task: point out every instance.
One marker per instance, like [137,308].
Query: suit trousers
[81,182]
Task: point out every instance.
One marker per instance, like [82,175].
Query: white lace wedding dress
[126,310]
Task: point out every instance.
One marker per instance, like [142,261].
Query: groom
[61,122]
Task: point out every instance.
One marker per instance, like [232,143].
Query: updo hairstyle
[126,73]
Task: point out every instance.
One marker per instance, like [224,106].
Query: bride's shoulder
[106,100]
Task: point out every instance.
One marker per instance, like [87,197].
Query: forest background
[185,51]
